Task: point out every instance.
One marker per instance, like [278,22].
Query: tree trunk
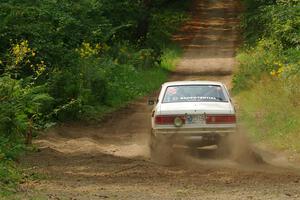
[143,24]
[28,139]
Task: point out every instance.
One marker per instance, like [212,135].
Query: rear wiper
[219,98]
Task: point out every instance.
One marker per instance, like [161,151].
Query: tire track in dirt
[112,162]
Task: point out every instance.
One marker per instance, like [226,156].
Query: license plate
[195,119]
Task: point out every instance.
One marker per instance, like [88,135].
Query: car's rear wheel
[161,151]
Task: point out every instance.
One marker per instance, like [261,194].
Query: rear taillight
[168,119]
[220,119]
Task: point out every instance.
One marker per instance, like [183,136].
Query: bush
[255,62]
[272,34]
[266,81]
[77,60]
[22,107]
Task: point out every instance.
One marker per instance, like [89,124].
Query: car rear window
[194,93]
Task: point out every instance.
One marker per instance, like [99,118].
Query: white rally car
[193,114]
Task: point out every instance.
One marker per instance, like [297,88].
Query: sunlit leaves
[272,33]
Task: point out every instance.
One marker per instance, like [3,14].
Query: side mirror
[151,101]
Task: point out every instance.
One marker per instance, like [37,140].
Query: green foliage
[10,176]
[162,24]
[64,60]
[85,47]
[267,80]
[170,57]
[263,60]
[23,108]
[272,36]
[10,149]
[21,102]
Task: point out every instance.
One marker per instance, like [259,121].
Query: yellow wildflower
[280,70]
[21,51]
[273,73]
[98,46]
[88,50]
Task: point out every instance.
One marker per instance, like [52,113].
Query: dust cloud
[244,155]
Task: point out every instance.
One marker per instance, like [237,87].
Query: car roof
[192,83]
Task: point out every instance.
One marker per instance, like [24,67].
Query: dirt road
[112,162]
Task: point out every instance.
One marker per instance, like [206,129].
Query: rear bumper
[193,137]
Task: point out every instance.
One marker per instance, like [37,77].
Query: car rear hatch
[195,115]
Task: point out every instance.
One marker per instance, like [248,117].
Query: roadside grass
[170,57]
[271,115]
[10,176]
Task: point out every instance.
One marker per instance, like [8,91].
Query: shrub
[267,78]
[76,60]
[271,30]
